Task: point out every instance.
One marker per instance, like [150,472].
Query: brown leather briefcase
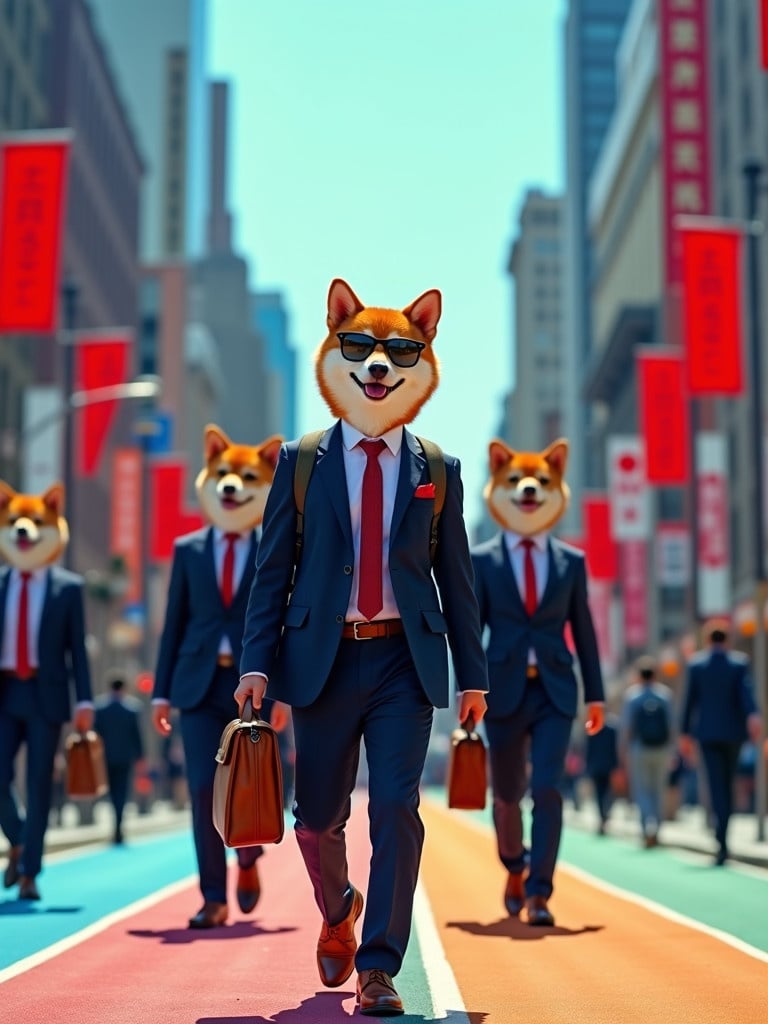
[467,770]
[86,767]
[248,784]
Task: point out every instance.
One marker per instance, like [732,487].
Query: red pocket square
[424,491]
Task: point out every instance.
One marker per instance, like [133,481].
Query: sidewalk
[687,831]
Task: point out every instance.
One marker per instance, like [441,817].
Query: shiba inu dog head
[33,530]
[526,492]
[233,485]
[377,367]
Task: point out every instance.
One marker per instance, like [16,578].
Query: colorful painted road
[641,936]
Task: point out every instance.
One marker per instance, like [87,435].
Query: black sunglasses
[402,351]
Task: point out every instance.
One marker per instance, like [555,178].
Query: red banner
[168,518]
[712,321]
[100,362]
[685,119]
[125,533]
[599,544]
[664,416]
[763,19]
[33,179]
[634,592]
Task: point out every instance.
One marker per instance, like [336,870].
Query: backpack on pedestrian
[651,721]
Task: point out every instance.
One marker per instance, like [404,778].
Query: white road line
[443,989]
[93,929]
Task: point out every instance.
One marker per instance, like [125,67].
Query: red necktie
[228,570]
[369,599]
[23,667]
[531,600]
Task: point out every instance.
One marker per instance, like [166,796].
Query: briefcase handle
[468,725]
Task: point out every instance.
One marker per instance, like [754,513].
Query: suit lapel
[508,573]
[203,547]
[329,468]
[246,577]
[51,589]
[558,567]
[5,575]
[412,463]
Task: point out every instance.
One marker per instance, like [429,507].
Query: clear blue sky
[391,144]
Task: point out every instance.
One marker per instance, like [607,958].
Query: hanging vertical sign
[664,418]
[712,310]
[762,17]
[686,185]
[101,361]
[168,516]
[627,487]
[713,555]
[599,545]
[126,531]
[33,184]
[673,554]
[634,592]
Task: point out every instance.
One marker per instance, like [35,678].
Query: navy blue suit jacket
[718,697]
[118,722]
[63,661]
[512,632]
[294,642]
[196,619]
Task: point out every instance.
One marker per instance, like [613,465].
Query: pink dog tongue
[375,390]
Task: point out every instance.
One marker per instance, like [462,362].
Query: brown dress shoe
[248,888]
[28,888]
[538,912]
[337,946]
[210,915]
[514,893]
[377,996]
[11,874]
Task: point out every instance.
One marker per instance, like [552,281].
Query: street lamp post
[753,172]
[70,292]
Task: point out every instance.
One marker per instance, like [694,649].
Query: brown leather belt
[225,661]
[532,672]
[372,630]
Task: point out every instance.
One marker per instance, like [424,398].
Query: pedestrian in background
[602,760]
[646,740]
[118,722]
[720,712]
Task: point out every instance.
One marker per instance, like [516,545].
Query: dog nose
[21,531]
[529,490]
[378,370]
[229,488]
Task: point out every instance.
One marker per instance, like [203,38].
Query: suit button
[339,618]
[347,570]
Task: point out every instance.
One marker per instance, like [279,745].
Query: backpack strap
[437,475]
[305,463]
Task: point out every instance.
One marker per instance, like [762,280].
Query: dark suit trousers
[201,730]
[720,761]
[373,694]
[119,776]
[21,722]
[549,733]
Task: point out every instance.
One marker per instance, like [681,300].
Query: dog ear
[342,303]
[54,498]
[270,450]
[7,494]
[498,455]
[214,442]
[557,455]
[425,311]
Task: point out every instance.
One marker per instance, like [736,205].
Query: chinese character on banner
[712,316]
[33,186]
[664,417]
[628,488]
[634,592]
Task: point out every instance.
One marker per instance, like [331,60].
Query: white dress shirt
[242,550]
[540,555]
[38,580]
[355,461]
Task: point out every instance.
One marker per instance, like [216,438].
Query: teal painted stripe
[81,890]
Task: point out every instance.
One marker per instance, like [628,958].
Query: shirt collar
[513,539]
[34,574]
[350,435]
[219,534]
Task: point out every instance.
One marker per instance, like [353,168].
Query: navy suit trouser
[22,722]
[119,777]
[201,729]
[373,694]
[720,761]
[548,730]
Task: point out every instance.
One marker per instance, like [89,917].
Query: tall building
[158,50]
[271,320]
[592,32]
[536,404]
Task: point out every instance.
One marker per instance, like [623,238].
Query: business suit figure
[37,700]
[349,679]
[118,722]
[601,762]
[196,673]
[720,712]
